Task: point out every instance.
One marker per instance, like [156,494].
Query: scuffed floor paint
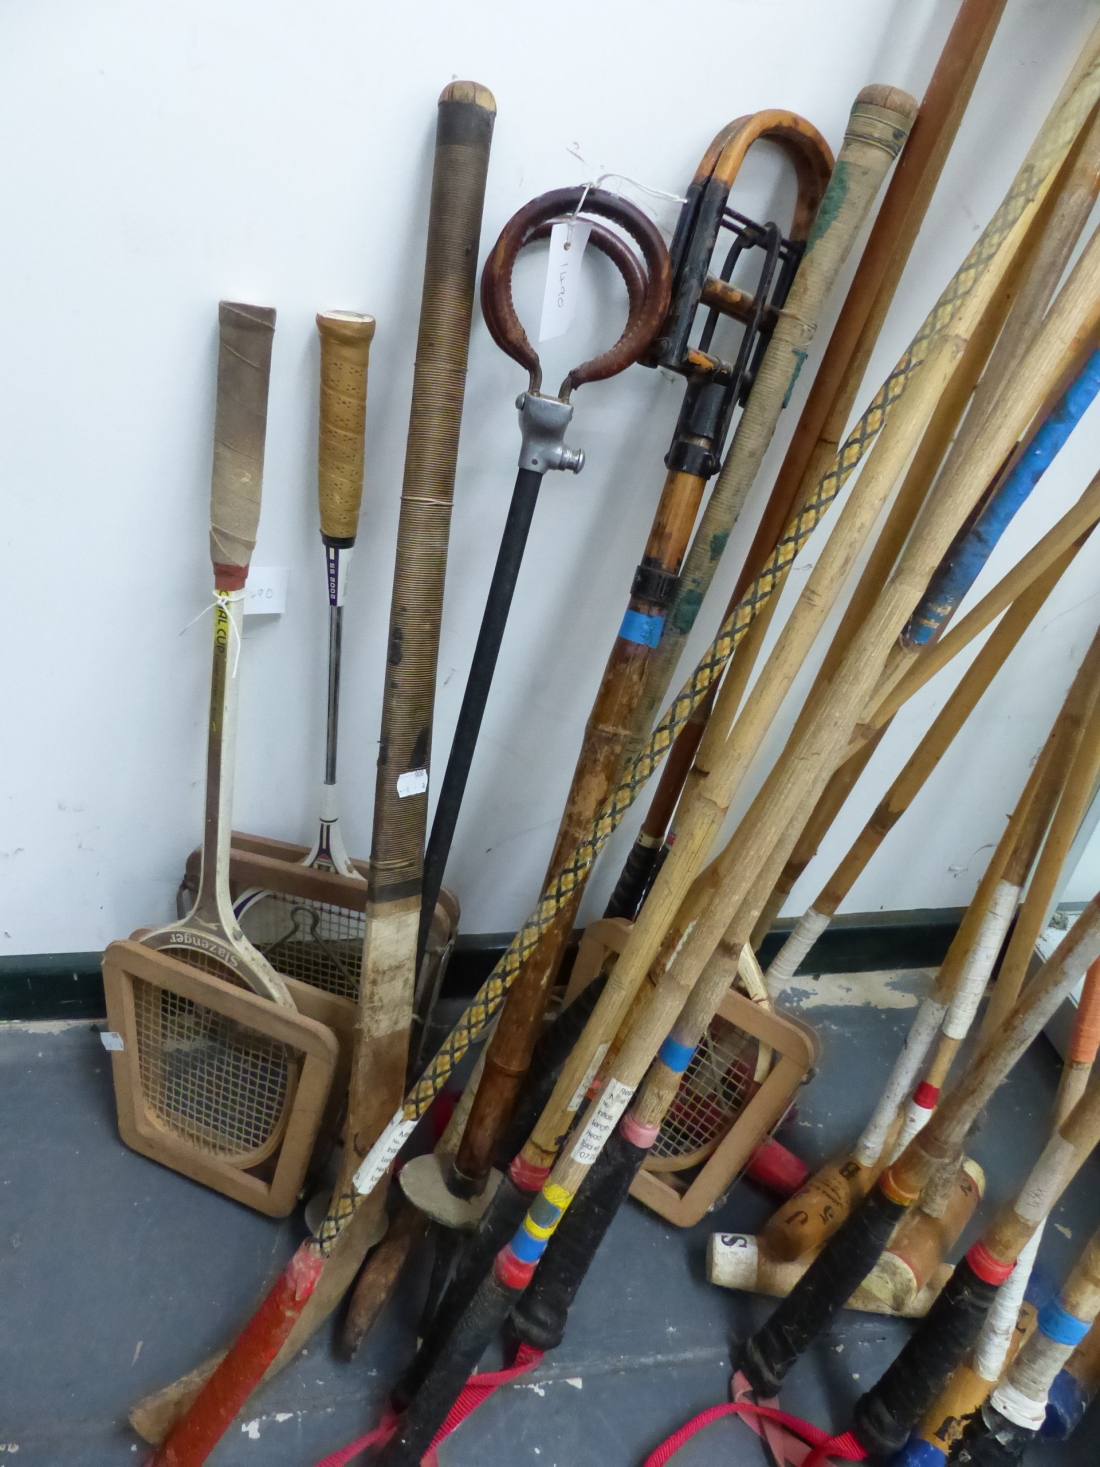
[888,989]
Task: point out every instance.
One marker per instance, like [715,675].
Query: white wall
[159,157]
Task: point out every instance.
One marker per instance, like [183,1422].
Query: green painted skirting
[69,985]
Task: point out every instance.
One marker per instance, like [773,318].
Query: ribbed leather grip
[463,135]
[240,426]
[345,351]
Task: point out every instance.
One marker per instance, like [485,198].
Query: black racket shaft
[493,621]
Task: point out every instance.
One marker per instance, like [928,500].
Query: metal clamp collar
[543,421]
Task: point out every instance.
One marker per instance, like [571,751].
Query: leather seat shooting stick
[543,422]
[463,136]
[832,395]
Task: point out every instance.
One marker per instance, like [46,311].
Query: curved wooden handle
[240,424]
[647,309]
[345,352]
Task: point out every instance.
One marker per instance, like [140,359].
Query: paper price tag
[374,1164]
[112,1040]
[563,273]
[265,590]
[412,782]
[602,1122]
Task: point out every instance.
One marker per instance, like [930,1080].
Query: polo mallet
[884,1416]
[543,421]
[832,395]
[971,1382]
[308,937]
[463,136]
[209,937]
[715,387]
[802,1225]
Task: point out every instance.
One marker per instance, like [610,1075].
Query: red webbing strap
[477,1389]
[796,1442]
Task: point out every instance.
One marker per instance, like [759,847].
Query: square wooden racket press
[309,923]
[216,1082]
[722,1112]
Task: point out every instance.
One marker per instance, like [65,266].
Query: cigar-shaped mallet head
[240,425]
[345,351]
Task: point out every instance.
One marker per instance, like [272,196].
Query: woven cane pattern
[316,942]
[767,584]
[220,1085]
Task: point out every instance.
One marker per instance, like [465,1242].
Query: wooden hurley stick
[466,115]
[844,362]
[819,1209]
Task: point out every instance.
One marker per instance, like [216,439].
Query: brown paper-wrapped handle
[240,423]
[345,351]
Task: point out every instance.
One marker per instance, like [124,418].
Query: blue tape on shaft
[973,546]
[1061,1326]
[645,630]
[527,1248]
[1067,1402]
[675,1055]
[918,1453]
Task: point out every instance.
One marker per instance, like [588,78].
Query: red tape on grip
[527,1176]
[989,1269]
[229,577]
[926,1095]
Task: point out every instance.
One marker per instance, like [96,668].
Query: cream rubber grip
[345,352]
[240,424]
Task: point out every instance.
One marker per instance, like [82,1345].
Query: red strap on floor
[477,1389]
[797,1442]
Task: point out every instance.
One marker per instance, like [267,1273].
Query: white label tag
[337,561]
[373,1166]
[589,1075]
[563,272]
[412,782]
[265,590]
[111,1040]
[602,1122]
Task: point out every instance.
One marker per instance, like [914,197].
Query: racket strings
[717,1085]
[225,1088]
[317,943]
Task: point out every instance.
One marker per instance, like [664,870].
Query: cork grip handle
[240,423]
[345,352]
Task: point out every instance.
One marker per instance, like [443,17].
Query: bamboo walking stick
[464,131]
[829,404]
[822,1206]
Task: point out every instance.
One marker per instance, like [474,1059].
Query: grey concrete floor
[117,1275]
